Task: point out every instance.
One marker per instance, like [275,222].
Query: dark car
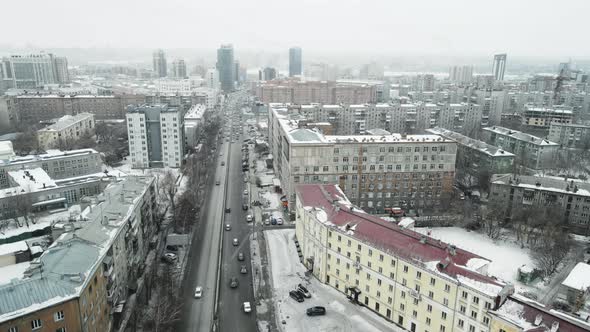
[227,210]
[233,282]
[297,296]
[303,290]
[316,311]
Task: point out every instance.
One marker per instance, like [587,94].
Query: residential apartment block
[476,160]
[193,124]
[307,92]
[34,108]
[571,197]
[82,281]
[57,164]
[570,135]
[420,283]
[396,118]
[542,117]
[377,172]
[156,136]
[66,130]
[530,151]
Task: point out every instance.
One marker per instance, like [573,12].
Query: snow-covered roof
[47,156]
[520,136]
[10,248]
[471,143]
[63,270]
[579,277]
[67,121]
[6,150]
[196,112]
[545,183]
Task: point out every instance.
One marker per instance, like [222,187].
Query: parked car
[198,292]
[243,269]
[235,241]
[246,306]
[297,296]
[217,182]
[316,311]
[233,282]
[223,162]
[227,210]
[273,220]
[267,222]
[227,227]
[245,191]
[244,207]
[240,256]
[171,248]
[279,221]
[169,257]
[249,218]
[304,290]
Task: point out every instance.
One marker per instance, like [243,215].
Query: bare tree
[168,190]
[26,143]
[166,308]
[553,248]
[492,221]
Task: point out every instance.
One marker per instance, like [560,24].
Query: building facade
[34,70]
[159,64]
[377,172]
[517,193]
[530,151]
[156,136]
[499,67]
[419,283]
[461,74]
[66,130]
[212,78]
[226,67]
[104,259]
[295,62]
[330,92]
[476,160]
[543,117]
[570,135]
[179,68]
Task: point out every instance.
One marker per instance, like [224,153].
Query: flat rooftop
[67,121]
[546,183]
[471,143]
[518,135]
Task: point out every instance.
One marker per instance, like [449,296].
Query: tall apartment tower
[179,68]
[156,136]
[499,67]
[159,63]
[461,74]
[295,59]
[226,67]
[212,78]
[34,70]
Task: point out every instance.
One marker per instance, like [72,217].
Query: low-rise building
[476,160]
[530,151]
[570,197]
[193,123]
[543,117]
[420,283]
[519,314]
[570,135]
[576,286]
[57,164]
[377,172]
[6,150]
[66,130]
[81,281]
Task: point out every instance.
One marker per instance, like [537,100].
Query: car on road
[304,291]
[227,210]
[316,311]
[246,306]
[223,162]
[233,282]
[235,241]
[297,296]
[227,227]
[217,182]
[169,257]
[198,292]
[249,218]
[240,256]
[243,269]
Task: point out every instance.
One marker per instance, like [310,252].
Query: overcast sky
[518,27]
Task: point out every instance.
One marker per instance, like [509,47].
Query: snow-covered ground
[14,271]
[506,256]
[287,272]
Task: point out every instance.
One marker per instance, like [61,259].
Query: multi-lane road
[220,308]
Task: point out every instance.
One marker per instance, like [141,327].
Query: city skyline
[434,28]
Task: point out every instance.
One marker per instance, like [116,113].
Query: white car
[235,241]
[198,292]
[245,191]
[247,307]
[249,218]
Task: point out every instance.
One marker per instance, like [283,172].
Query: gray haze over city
[434,33]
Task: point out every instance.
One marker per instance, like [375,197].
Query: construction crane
[559,84]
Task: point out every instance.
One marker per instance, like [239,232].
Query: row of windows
[398,149]
[38,323]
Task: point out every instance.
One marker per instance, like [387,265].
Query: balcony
[415,294]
